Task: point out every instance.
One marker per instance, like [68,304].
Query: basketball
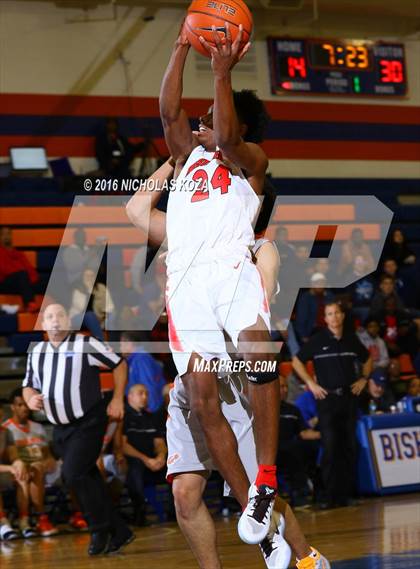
[203,14]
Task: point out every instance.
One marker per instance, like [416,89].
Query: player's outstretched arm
[141,209]
[248,156]
[178,135]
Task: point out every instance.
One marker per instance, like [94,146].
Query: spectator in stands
[94,299]
[143,369]
[413,388]
[386,290]
[144,300]
[294,456]
[405,281]
[287,251]
[144,447]
[396,248]
[369,336]
[323,266]
[76,256]
[397,329]
[396,383]
[28,443]
[362,290]
[291,272]
[114,152]
[11,474]
[306,403]
[376,397]
[17,275]
[302,254]
[356,246]
[310,307]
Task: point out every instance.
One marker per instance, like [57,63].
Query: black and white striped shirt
[68,375]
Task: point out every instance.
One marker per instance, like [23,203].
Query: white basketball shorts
[207,299]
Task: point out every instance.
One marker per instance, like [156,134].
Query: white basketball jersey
[210,213]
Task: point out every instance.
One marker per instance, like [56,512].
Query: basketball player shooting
[213,286]
[189,464]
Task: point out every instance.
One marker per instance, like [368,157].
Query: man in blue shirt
[306,403]
[143,368]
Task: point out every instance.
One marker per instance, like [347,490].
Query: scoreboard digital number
[337,67]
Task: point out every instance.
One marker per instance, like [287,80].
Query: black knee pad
[262,377]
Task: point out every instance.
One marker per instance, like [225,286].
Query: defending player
[213,287]
[189,463]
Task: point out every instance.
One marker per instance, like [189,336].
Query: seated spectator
[291,272]
[94,298]
[310,307]
[397,329]
[298,447]
[287,251]
[413,388]
[114,152]
[396,248]
[145,300]
[323,266]
[76,257]
[306,403]
[386,290]
[356,246]
[145,449]
[369,336]
[361,291]
[10,475]
[301,254]
[405,281]
[143,369]
[17,275]
[396,383]
[28,443]
[376,394]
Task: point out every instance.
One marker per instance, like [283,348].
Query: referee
[62,378]
[338,357]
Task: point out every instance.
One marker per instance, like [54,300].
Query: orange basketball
[203,14]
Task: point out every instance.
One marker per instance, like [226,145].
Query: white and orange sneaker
[314,561]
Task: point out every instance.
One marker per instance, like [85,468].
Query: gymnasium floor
[381,533]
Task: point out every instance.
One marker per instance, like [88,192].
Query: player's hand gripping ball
[203,14]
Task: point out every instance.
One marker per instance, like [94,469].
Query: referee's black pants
[337,424]
[79,444]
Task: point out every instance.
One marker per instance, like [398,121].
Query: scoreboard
[337,67]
